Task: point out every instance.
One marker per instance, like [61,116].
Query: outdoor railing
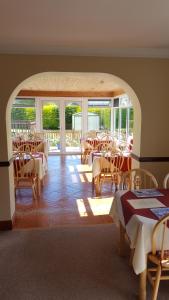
[72,137]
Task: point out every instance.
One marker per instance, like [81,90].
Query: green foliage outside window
[26,114]
[50,115]
[69,111]
[123,118]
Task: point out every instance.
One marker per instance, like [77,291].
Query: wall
[149,78]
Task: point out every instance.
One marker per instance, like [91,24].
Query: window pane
[24,102]
[50,116]
[23,116]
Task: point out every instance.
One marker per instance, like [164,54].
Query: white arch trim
[120,82]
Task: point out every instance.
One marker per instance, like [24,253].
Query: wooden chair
[138,179]
[159,256]
[110,171]
[24,173]
[28,148]
[166,182]
[86,148]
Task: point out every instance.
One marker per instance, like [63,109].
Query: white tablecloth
[139,230]
[96,167]
[40,166]
[43,147]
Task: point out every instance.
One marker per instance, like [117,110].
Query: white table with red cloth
[40,167]
[138,224]
[99,160]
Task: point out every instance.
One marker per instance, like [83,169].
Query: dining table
[134,214]
[99,160]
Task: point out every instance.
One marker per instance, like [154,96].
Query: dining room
[90,209]
[82,210]
[32,121]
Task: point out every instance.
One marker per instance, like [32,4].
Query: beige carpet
[66,263]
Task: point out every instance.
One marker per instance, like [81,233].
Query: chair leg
[131,256]
[15,193]
[34,193]
[97,185]
[35,190]
[156,283]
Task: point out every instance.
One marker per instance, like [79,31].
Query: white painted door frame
[61,102]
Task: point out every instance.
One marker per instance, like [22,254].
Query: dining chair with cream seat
[166,182]
[86,148]
[110,171]
[136,179]
[24,173]
[159,255]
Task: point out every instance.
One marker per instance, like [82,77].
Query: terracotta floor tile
[66,198]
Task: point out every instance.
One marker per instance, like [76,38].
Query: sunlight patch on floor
[89,177]
[82,178]
[74,178]
[100,206]
[83,168]
[71,169]
[74,156]
[81,208]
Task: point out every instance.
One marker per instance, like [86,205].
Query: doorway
[61,121]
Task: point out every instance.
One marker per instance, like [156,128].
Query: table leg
[122,241]
[39,186]
[142,287]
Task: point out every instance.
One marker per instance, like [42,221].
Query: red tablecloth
[126,163]
[129,211]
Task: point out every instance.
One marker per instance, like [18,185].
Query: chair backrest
[112,164]
[24,165]
[138,179]
[160,237]
[166,182]
[28,147]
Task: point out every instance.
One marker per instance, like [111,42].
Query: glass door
[51,124]
[72,126]
[62,125]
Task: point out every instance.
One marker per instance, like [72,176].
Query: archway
[128,90]
[116,81]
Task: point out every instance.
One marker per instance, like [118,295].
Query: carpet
[65,263]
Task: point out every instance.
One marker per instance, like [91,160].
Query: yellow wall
[149,78]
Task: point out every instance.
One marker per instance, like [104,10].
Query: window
[123,116]
[23,115]
[99,114]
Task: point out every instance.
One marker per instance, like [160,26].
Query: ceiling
[72,82]
[120,28]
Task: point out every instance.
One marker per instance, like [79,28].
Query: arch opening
[36,81]
[83,82]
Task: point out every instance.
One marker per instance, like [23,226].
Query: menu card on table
[147,193]
[145,203]
[160,211]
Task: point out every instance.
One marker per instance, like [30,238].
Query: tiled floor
[66,199]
